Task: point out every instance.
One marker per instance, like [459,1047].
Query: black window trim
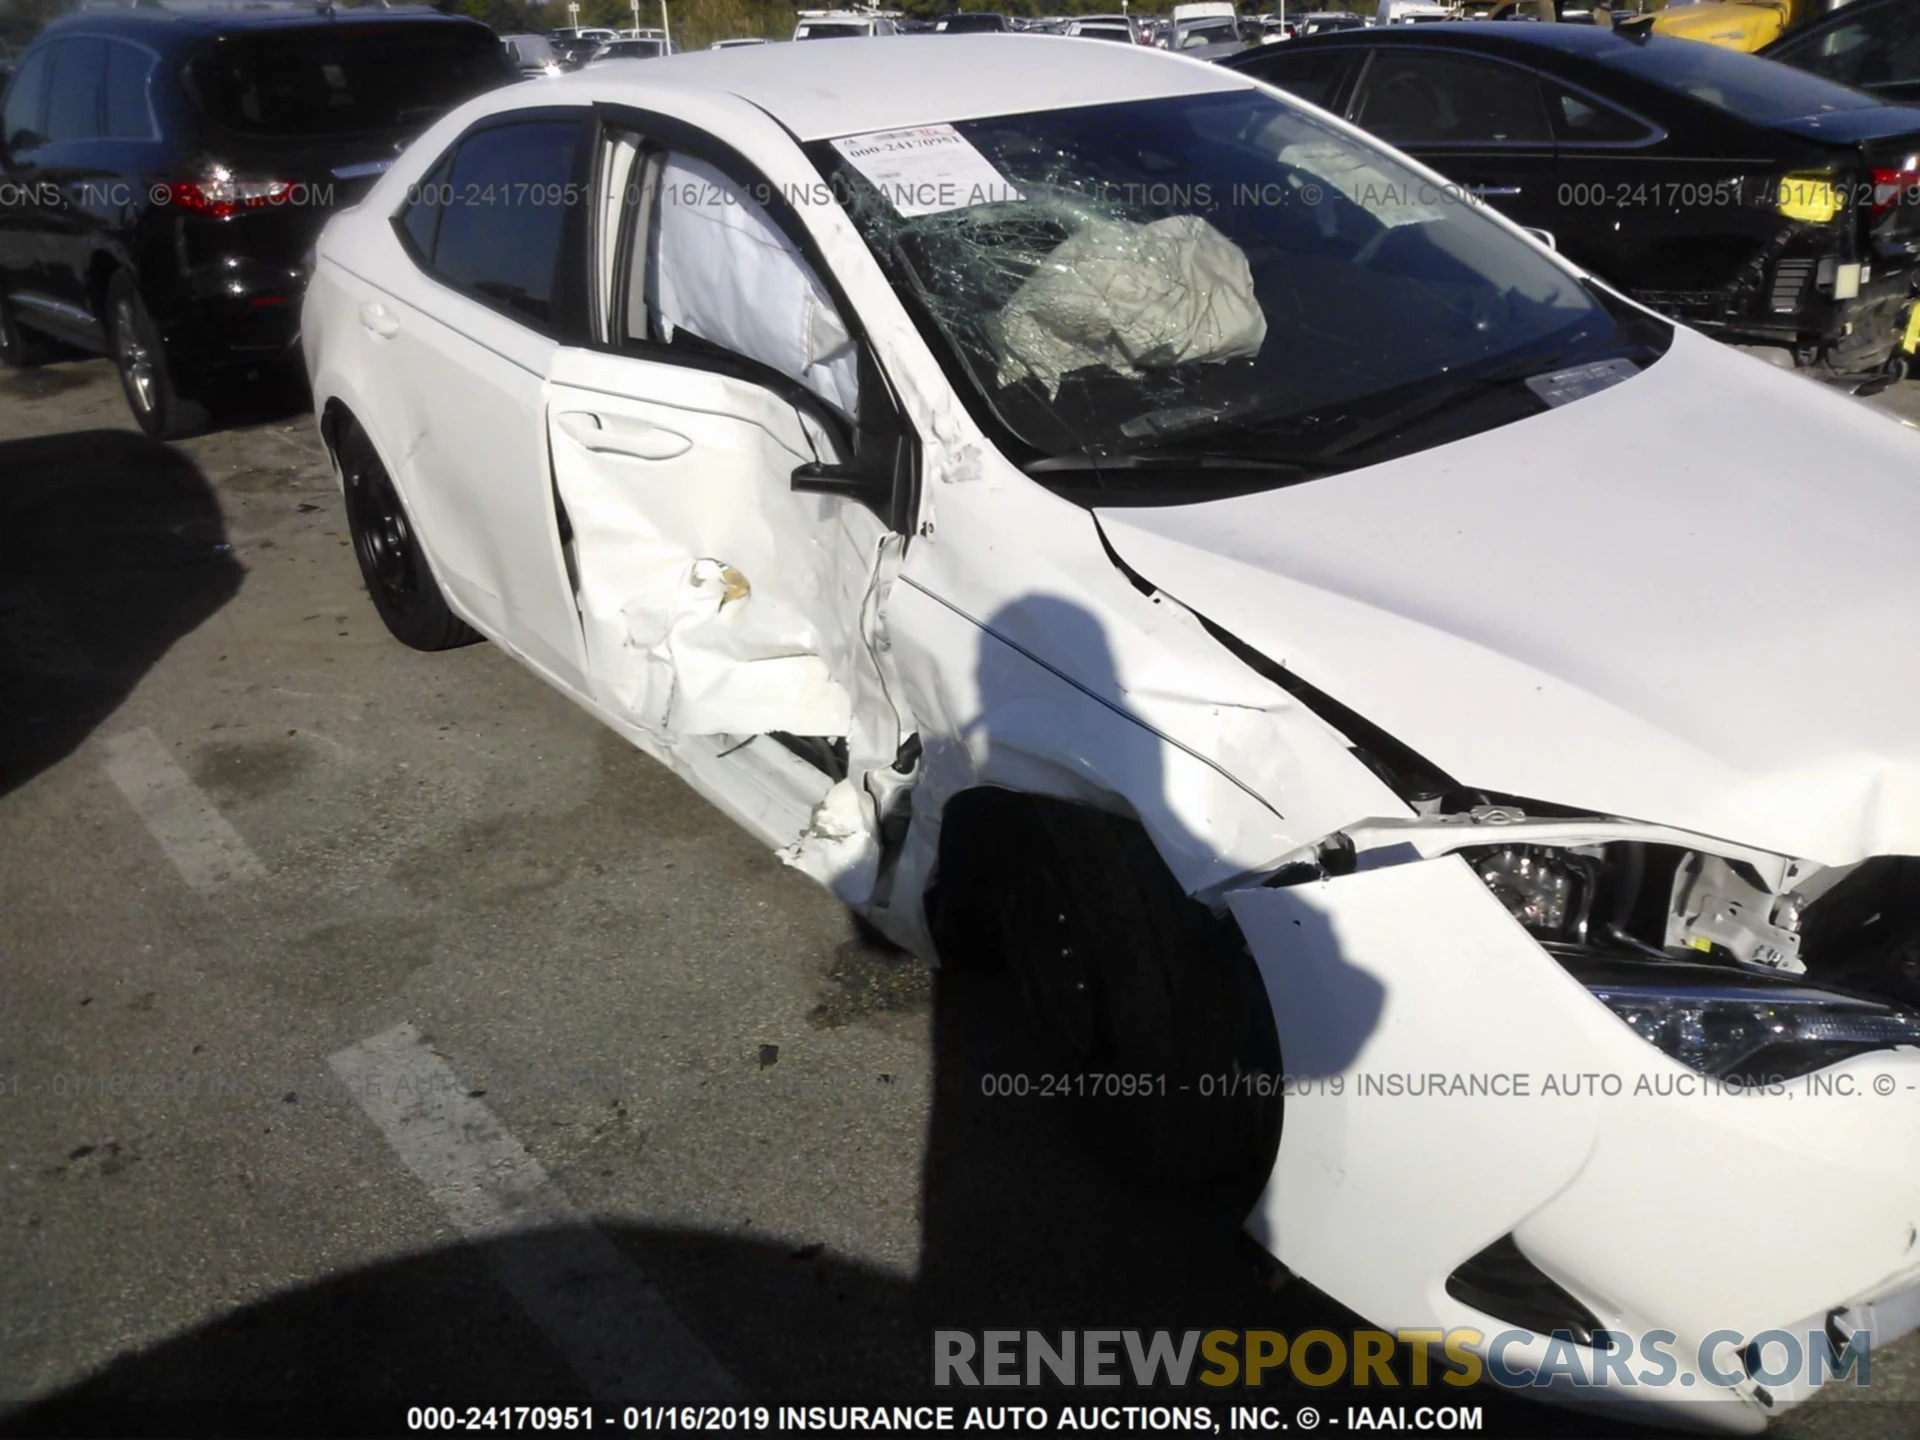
[1655,133]
[569,318]
[665,134]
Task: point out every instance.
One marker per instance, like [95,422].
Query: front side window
[502,216]
[73,98]
[1423,97]
[710,270]
[1206,272]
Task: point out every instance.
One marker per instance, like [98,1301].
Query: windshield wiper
[1171,476]
[1395,423]
[1173,458]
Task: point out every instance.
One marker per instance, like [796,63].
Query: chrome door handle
[1484,190]
[634,438]
[377,318]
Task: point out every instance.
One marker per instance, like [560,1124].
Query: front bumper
[1450,1085]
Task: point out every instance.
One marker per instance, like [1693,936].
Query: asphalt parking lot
[255,855]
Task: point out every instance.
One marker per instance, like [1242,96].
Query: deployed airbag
[1130,297]
[729,275]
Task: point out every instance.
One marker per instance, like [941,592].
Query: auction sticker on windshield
[926,170]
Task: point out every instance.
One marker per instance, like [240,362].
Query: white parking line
[206,850]
[598,1309]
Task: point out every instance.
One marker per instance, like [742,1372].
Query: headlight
[1686,952]
[1755,1034]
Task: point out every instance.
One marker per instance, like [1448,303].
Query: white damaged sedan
[1073,500]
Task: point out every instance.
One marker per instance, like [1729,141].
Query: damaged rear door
[715,598]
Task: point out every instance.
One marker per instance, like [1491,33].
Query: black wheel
[391,560]
[152,389]
[1124,975]
[18,348]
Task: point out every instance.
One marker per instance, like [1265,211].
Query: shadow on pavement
[1021,1231]
[111,548]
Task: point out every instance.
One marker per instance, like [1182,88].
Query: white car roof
[855,86]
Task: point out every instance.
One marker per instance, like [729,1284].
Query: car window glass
[1760,91]
[22,118]
[1313,76]
[1422,97]
[1582,120]
[341,80]
[1877,47]
[73,102]
[717,272]
[1293,281]
[504,213]
[128,116]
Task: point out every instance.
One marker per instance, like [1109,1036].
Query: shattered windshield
[1212,270]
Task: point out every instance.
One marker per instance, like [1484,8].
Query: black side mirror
[882,472]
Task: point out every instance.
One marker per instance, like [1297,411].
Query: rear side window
[22,118]
[1414,97]
[73,99]
[128,116]
[345,80]
[1583,120]
[1314,75]
[503,215]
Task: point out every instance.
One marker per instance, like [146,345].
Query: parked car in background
[648,49]
[1762,204]
[1872,45]
[737,43]
[572,52]
[531,55]
[166,171]
[842,25]
[1413,12]
[1199,24]
[1105,27]
[1321,22]
[1295,638]
[972,22]
[593,34]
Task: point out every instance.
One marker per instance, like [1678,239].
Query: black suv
[164,169]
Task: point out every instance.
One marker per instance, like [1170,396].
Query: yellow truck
[1744,25]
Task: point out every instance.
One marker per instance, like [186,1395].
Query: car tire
[1125,975]
[146,376]
[392,562]
[19,348]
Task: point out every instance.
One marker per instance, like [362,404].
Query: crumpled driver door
[715,600]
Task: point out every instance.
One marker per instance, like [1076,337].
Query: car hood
[1690,599]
